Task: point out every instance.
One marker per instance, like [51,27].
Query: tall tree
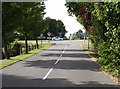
[37,24]
[78,35]
[8,25]
[56,27]
[19,16]
[27,12]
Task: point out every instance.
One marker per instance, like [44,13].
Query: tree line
[102,21]
[78,35]
[26,19]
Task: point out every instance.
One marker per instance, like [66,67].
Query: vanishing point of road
[62,65]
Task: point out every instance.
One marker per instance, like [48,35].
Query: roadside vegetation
[12,60]
[101,21]
[25,31]
[23,22]
[91,50]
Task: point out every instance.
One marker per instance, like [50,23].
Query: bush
[16,49]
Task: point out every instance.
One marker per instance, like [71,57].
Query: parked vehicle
[57,38]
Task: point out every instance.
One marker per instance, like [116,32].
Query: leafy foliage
[20,18]
[78,35]
[105,35]
[56,27]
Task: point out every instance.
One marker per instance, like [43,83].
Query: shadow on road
[67,50]
[64,64]
[69,55]
[19,81]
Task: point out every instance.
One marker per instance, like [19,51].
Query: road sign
[49,34]
[41,35]
[91,28]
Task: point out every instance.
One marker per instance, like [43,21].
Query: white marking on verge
[47,74]
[57,61]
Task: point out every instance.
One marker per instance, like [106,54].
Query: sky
[56,9]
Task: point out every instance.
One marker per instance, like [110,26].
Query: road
[62,65]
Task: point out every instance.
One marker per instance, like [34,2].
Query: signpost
[88,31]
[49,34]
[41,35]
[60,34]
[88,41]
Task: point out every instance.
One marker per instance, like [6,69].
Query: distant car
[57,38]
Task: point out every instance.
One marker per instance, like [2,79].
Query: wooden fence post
[20,49]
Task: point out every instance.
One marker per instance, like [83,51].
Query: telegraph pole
[88,40]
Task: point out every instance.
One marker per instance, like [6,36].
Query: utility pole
[70,36]
[84,36]
[88,41]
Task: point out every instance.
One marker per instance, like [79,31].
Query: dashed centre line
[47,74]
[63,51]
[57,61]
[61,54]
[55,64]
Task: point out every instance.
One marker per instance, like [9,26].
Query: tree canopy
[56,27]
[22,18]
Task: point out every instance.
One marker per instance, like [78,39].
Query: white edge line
[47,74]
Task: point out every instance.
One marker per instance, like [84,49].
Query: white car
[57,38]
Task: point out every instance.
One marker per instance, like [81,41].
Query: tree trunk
[26,45]
[37,44]
[5,48]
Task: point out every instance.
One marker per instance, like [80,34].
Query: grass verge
[90,51]
[4,63]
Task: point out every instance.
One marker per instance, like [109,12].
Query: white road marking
[65,47]
[57,61]
[47,74]
[80,45]
[60,55]
[63,51]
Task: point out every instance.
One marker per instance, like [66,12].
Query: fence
[17,49]
[30,47]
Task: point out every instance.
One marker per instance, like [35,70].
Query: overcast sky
[56,9]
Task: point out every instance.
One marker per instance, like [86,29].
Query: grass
[33,41]
[4,63]
[85,45]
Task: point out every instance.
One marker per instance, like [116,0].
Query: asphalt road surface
[62,65]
